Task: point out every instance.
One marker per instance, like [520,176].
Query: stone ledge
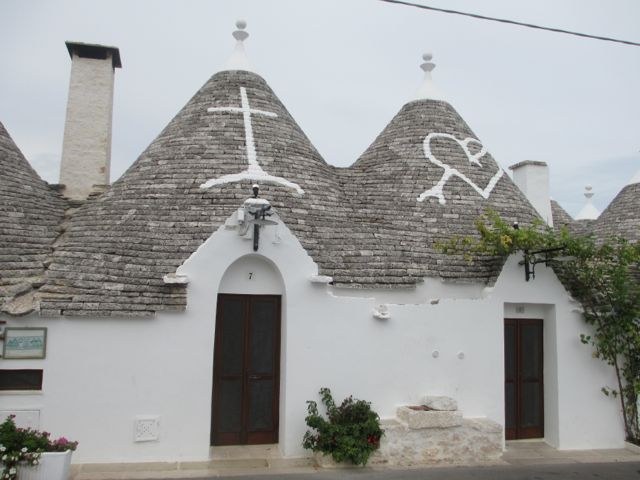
[483,425]
[125,467]
[632,447]
[189,469]
[419,419]
[440,403]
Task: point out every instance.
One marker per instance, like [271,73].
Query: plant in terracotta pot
[32,453]
[351,433]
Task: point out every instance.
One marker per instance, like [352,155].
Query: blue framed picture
[24,343]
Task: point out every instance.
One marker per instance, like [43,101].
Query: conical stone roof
[370,225]
[30,217]
[118,248]
[430,178]
[561,217]
[622,216]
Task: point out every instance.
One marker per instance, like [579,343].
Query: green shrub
[351,433]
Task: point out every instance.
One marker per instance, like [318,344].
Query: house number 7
[250,275]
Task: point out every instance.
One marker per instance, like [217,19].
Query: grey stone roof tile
[562,219]
[30,217]
[622,216]
[362,225]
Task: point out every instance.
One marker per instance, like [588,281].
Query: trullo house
[207,294]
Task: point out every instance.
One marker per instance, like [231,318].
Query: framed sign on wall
[22,343]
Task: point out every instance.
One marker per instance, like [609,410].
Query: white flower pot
[52,466]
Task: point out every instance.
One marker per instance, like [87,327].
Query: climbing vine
[604,277]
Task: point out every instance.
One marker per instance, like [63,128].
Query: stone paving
[266,460]
[530,453]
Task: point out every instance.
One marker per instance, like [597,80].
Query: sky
[343,69]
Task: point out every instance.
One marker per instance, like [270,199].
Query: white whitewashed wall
[100,374]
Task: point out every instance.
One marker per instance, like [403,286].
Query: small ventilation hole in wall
[146,428]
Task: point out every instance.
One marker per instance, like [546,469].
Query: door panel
[232,338]
[510,378]
[261,401]
[246,376]
[524,383]
[230,400]
[262,337]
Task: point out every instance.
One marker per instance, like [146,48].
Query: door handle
[255,377]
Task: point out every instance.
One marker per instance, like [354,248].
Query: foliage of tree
[350,433]
[603,276]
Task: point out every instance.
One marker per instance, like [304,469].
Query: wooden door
[246,370]
[524,385]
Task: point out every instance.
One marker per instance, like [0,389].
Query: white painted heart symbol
[437,190]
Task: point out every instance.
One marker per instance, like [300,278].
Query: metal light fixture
[545,255]
[531,259]
[259,209]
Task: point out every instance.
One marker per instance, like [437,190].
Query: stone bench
[436,433]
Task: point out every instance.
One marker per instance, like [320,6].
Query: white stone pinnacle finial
[589,211]
[240,35]
[428,90]
[238,59]
[428,65]
[587,191]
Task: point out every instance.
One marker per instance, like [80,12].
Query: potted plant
[350,434]
[27,454]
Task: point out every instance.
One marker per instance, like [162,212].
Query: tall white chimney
[532,177]
[86,148]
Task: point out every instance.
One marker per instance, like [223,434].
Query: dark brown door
[524,394]
[246,370]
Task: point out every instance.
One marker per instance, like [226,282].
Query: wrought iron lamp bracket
[531,259]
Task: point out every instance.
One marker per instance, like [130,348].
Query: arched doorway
[246,365]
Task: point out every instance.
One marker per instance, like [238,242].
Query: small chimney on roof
[86,147]
[532,177]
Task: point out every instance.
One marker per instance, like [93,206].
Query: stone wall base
[476,440]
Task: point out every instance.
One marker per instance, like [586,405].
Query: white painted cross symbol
[254,171]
